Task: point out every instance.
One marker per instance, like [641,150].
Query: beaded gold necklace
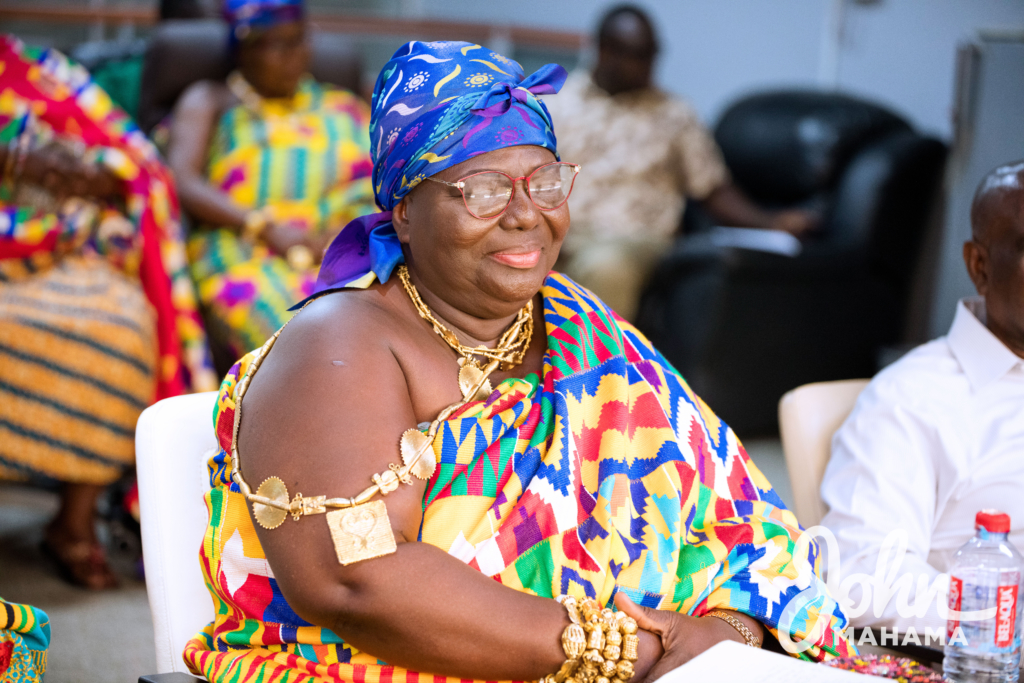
[509,351]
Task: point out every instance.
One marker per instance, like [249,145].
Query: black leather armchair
[746,326]
[184,51]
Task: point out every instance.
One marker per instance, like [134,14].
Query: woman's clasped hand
[59,172]
[680,636]
[280,237]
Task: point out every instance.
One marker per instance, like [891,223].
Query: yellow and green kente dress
[306,162]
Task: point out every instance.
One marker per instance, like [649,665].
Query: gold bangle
[256,223]
[748,635]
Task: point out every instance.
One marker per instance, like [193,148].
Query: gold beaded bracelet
[600,645]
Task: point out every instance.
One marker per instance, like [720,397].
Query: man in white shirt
[939,435]
[643,153]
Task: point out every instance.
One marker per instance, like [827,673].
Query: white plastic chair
[808,417]
[173,440]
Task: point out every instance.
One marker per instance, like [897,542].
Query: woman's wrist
[649,651]
[600,645]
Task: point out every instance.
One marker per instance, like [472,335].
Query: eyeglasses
[488,194]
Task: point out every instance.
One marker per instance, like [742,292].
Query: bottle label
[956,589]
[1006,615]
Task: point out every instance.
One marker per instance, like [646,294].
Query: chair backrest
[183,51]
[785,147]
[808,417]
[173,440]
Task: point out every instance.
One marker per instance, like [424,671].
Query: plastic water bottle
[986,575]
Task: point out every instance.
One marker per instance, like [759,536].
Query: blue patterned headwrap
[435,105]
[245,15]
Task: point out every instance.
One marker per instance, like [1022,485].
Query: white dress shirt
[934,438]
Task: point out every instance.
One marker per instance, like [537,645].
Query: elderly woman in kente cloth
[460,435]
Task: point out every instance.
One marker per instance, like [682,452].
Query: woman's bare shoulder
[352,330]
[204,97]
[349,319]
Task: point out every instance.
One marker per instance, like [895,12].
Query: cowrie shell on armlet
[414,441]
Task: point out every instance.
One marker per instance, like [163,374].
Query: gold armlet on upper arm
[360,528]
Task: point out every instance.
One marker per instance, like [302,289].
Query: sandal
[82,563]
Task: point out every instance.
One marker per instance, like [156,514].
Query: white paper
[732,662]
[757,239]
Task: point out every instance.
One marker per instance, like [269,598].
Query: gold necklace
[252,100]
[508,353]
[247,94]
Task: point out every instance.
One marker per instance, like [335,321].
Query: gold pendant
[269,517]
[414,441]
[361,532]
[469,375]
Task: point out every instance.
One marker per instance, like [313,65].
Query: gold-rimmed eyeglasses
[488,194]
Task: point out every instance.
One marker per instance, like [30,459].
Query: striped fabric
[605,473]
[306,162]
[24,639]
[77,356]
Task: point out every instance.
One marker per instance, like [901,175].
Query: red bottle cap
[992,521]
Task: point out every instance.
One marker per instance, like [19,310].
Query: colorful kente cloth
[24,639]
[98,314]
[605,473]
[435,105]
[306,161]
[44,99]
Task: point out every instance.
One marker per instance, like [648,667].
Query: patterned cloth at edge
[98,315]
[306,161]
[24,640]
[643,153]
[899,669]
[604,473]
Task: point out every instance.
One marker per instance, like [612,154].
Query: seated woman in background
[98,315]
[270,165]
[505,466]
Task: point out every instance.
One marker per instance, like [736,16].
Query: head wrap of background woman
[245,16]
[435,105]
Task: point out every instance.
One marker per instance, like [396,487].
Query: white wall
[902,52]
[898,52]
